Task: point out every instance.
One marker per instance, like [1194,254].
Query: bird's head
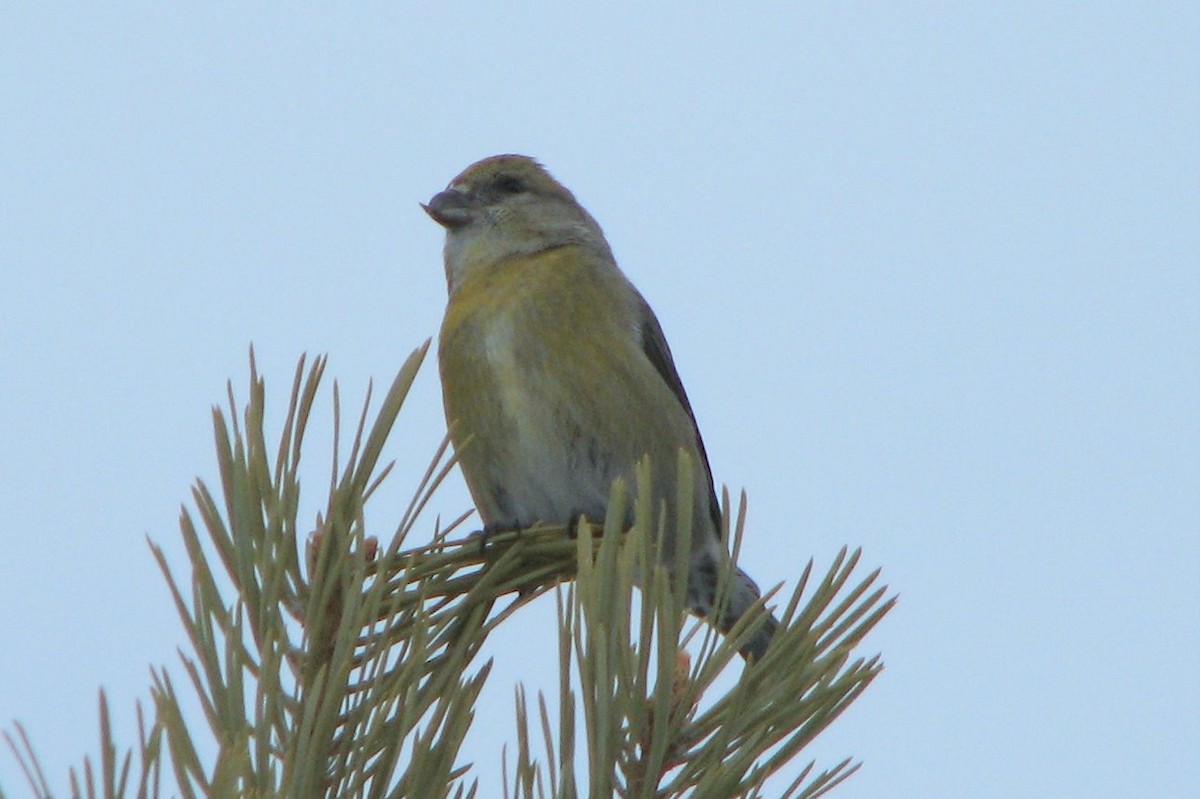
[504,207]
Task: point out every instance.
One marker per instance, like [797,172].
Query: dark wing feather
[654,344]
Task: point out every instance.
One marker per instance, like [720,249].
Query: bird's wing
[654,344]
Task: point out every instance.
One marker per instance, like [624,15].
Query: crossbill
[556,376]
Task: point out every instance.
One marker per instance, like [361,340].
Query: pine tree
[328,664]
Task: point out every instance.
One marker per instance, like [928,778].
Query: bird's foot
[490,530]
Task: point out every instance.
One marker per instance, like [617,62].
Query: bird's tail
[743,593]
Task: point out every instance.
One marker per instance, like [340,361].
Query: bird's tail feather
[744,593]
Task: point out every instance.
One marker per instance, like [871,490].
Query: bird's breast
[504,350]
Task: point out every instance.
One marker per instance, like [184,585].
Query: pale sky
[930,273]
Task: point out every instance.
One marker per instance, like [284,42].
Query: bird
[557,378]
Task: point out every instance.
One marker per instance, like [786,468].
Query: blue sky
[930,275]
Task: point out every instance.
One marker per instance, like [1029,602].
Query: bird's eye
[507,184]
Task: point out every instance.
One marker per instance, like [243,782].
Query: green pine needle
[328,664]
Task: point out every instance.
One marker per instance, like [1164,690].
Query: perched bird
[556,377]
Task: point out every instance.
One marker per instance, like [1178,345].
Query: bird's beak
[450,209]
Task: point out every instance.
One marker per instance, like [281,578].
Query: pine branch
[641,692]
[327,665]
